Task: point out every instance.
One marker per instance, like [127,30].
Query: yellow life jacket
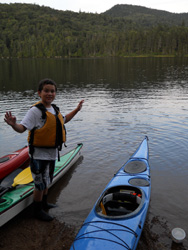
[52,134]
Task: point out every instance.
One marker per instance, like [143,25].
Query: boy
[46,136]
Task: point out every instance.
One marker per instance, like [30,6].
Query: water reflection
[112,73]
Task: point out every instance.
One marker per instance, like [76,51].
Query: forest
[32,31]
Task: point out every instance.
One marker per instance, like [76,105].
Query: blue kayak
[117,218]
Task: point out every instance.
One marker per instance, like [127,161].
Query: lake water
[125,99]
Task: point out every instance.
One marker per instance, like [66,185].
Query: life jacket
[52,134]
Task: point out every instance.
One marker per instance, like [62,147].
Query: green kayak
[16,199]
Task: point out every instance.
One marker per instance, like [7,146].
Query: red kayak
[12,161]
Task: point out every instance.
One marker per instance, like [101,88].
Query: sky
[99,6]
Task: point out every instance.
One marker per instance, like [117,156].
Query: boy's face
[47,94]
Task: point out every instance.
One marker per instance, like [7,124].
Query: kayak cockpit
[120,202]
[3,159]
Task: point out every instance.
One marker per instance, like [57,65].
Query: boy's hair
[45,82]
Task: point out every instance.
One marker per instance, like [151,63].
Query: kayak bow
[12,161]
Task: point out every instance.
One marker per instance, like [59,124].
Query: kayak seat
[135,167]
[116,208]
[117,204]
[121,201]
[3,159]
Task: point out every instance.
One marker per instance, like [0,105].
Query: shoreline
[26,232]
[97,57]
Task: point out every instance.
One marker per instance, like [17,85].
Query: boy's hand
[74,112]
[9,119]
[79,107]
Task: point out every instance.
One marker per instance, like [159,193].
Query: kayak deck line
[113,241]
[27,191]
[110,231]
[126,228]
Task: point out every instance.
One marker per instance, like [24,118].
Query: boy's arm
[11,120]
[74,112]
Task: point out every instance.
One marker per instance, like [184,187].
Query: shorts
[42,173]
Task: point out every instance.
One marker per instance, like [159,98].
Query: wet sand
[25,232]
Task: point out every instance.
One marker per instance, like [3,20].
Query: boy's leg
[47,205]
[37,195]
[40,173]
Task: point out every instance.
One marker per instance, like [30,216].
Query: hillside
[28,30]
[147,16]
